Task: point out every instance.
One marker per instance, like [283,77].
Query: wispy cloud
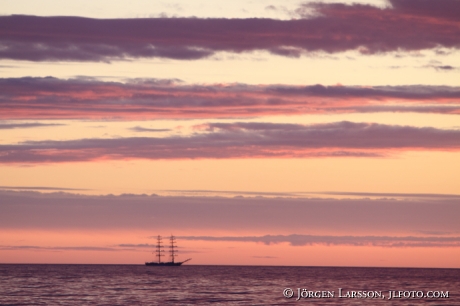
[441,67]
[143,129]
[153,246]
[40,188]
[306,194]
[57,248]
[9,126]
[139,245]
[302,240]
[51,98]
[114,248]
[243,140]
[388,194]
[329,27]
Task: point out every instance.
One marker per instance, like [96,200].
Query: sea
[43,284]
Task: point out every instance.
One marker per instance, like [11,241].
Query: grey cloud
[397,195]
[304,194]
[9,126]
[139,245]
[446,67]
[438,233]
[243,140]
[143,129]
[51,98]
[235,193]
[331,27]
[152,246]
[441,67]
[389,217]
[40,188]
[57,248]
[302,240]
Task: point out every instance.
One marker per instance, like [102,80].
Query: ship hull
[167,264]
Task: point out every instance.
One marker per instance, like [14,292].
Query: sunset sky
[260,132]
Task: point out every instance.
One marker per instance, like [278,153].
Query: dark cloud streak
[333,27]
[243,140]
[9,126]
[303,240]
[143,129]
[40,188]
[57,248]
[396,195]
[51,98]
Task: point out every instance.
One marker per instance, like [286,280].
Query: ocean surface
[225,285]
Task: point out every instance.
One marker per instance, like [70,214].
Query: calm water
[216,285]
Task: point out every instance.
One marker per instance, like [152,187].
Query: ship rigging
[172,253]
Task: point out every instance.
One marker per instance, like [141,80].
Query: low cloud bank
[302,240]
[352,217]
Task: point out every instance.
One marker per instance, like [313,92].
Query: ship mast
[159,251]
[171,248]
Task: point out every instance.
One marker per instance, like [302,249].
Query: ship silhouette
[172,253]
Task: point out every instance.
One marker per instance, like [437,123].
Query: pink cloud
[51,98]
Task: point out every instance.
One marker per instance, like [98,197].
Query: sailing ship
[172,253]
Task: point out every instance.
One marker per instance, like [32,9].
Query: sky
[257,132]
